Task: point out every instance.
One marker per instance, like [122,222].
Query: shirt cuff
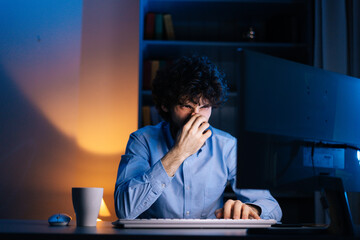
[256,206]
[158,178]
[263,208]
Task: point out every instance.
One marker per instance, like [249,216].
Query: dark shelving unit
[218,28]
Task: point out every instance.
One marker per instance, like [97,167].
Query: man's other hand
[236,209]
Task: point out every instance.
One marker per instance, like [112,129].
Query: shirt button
[187,212]
[163,185]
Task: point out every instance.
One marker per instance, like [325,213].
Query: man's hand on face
[188,141]
[193,135]
[236,209]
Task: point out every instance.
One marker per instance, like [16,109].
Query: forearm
[172,161]
[129,203]
[135,195]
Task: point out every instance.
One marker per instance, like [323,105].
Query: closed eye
[205,106]
[186,106]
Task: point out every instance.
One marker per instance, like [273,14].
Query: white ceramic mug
[86,202]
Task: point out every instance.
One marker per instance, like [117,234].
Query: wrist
[178,154]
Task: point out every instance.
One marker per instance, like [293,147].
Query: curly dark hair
[188,79]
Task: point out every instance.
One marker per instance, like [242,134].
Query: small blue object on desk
[60,219]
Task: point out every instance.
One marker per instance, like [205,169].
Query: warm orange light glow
[71,74]
[83,81]
[105,122]
[99,110]
[104,211]
[99,121]
[107,112]
[108,89]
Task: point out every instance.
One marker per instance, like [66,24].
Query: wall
[68,100]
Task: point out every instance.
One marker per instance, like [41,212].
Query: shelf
[224,51]
[165,43]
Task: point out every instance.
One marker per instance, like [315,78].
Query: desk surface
[39,229]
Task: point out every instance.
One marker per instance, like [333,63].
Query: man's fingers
[190,122]
[253,214]
[228,207]
[237,210]
[245,212]
[206,134]
[204,126]
[219,213]
[198,121]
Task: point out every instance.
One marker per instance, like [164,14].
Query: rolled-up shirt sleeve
[138,184]
[270,208]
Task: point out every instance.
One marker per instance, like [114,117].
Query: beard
[175,127]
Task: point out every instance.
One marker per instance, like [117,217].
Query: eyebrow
[206,105]
[188,104]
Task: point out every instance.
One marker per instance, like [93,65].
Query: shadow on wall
[39,165]
[67,76]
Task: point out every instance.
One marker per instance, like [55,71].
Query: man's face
[181,113]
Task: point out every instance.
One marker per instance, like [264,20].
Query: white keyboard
[194,223]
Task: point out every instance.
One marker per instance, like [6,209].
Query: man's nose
[195,111]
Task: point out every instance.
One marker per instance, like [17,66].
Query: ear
[164,108]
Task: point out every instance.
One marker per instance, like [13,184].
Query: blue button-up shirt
[144,189]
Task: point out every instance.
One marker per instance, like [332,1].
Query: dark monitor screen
[294,122]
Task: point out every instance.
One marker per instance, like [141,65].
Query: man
[180,167]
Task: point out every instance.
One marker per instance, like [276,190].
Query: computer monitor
[298,126]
